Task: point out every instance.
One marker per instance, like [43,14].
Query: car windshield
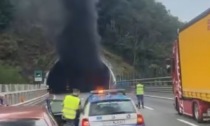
[24,122]
[56,106]
[111,107]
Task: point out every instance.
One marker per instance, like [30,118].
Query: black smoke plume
[79,64]
[72,25]
[78,44]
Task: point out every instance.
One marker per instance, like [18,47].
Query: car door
[84,113]
[50,120]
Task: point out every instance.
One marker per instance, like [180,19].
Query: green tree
[141,31]
[6,11]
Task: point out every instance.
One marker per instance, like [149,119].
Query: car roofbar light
[108,91]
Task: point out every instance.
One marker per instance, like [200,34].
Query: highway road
[159,111]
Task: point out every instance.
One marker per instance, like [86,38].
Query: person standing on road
[48,101]
[71,108]
[140,95]
[1,100]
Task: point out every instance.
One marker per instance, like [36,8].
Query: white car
[110,109]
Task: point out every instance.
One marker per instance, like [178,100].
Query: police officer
[140,95]
[71,108]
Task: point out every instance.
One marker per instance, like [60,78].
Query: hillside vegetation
[118,65]
[136,35]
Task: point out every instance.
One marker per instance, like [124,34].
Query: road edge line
[186,122]
[149,108]
[152,96]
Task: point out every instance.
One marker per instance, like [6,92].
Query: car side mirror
[137,105]
[81,110]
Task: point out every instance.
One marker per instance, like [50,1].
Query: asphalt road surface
[159,111]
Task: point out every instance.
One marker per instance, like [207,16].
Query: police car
[110,108]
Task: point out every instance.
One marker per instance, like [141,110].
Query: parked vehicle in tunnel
[26,116]
[191,68]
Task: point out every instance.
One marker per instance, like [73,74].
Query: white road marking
[159,97]
[186,122]
[148,108]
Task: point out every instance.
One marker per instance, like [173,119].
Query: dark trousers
[140,100]
[74,122]
[69,123]
[1,101]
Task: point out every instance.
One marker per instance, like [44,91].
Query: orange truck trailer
[191,68]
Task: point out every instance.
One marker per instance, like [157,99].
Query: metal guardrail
[159,89]
[12,98]
[19,94]
[158,84]
[33,101]
[158,81]
[19,87]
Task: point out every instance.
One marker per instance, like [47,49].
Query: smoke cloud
[78,44]
[45,14]
[72,25]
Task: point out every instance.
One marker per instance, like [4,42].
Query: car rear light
[85,122]
[101,91]
[140,119]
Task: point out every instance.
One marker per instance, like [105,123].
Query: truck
[190,68]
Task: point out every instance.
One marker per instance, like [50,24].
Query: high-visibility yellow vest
[139,89]
[70,106]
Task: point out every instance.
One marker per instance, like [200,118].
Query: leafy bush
[9,75]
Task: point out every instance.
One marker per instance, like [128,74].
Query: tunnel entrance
[59,80]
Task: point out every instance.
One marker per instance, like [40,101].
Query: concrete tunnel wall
[57,80]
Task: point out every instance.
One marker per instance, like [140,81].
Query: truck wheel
[177,107]
[197,114]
